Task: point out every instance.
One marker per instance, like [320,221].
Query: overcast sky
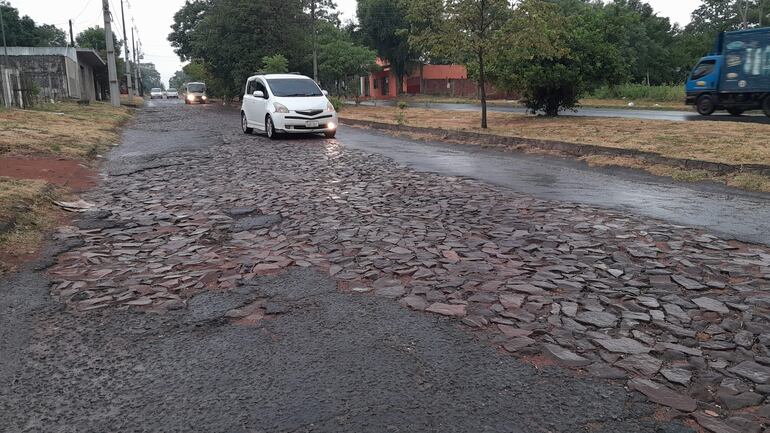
[153,18]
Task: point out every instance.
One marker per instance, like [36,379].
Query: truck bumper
[690,99]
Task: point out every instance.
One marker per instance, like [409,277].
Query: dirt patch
[61,172]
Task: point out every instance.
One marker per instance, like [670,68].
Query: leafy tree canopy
[384,27]
[21,31]
[275,64]
[94,38]
[150,76]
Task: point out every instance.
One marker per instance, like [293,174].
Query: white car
[156,92]
[172,93]
[289,103]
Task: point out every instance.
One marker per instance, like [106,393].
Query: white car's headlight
[280,108]
[329,107]
[190,97]
[204,97]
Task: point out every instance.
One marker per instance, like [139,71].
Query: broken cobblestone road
[228,283]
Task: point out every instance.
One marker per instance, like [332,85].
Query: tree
[385,28]
[186,21]
[21,31]
[553,58]
[179,79]
[317,10]
[275,64]
[467,30]
[94,38]
[150,76]
[342,59]
[229,38]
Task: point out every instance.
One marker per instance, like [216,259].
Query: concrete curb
[572,149]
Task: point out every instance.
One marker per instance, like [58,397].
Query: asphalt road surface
[179,307]
[628,113]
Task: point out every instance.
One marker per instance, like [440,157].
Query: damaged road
[236,284]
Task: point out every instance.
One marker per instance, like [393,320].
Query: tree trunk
[315,41]
[422,78]
[482,89]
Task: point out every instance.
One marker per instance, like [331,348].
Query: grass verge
[619,102]
[26,213]
[747,181]
[55,134]
[62,129]
[724,142]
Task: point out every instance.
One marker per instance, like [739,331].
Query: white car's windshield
[289,87]
[172,90]
[155,90]
[196,88]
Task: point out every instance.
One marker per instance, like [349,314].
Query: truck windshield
[703,69]
[196,88]
[289,87]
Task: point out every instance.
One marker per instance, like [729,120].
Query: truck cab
[735,76]
[704,78]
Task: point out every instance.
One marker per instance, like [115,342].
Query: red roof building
[426,79]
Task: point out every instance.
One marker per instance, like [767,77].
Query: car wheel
[766,106]
[270,128]
[245,124]
[330,134]
[706,105]
[735,111]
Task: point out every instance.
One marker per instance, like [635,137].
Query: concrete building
[60,73]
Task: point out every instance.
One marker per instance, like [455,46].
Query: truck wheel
[766,106]
[705,105]
[735,111]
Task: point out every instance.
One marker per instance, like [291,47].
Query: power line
[88,3]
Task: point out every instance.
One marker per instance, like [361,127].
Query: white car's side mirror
[258,94]
[325,92]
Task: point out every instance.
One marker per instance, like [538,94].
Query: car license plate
[313,124]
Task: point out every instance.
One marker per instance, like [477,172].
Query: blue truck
[735,77]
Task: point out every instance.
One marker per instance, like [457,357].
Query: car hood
[299,103]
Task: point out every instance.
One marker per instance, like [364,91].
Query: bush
[641,92]
[336,103]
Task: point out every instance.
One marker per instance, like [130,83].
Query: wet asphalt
[627,113]
[333,362]
[729,212]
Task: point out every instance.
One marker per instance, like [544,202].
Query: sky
[152,18]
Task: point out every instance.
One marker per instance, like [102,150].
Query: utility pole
[5,45]
[139,57]
[137,65]
[315,40]
[72,38]
[129,84]
[112,70]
